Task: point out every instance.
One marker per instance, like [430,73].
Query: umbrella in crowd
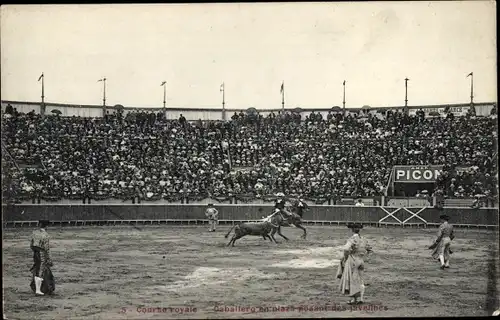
[251,110]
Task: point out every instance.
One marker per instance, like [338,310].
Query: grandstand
[91,154]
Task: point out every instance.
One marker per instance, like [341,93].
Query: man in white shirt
[359,203]
[213,217]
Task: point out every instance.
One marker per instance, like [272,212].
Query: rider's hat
[280,194]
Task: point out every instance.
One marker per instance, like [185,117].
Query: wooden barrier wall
[242,212]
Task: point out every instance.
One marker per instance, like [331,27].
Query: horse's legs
[273,233]
[236,238]
[298,225]
[271,236]
[279,232]
[230,241]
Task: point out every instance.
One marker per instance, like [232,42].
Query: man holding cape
[351,267]
[43,281]
[442,244]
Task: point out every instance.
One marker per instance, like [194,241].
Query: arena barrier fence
[118,214]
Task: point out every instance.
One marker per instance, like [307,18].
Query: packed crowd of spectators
[143,154]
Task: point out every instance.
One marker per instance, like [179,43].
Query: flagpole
[223,90]
[343,101]
[104,95]
[472,88]
[223,101]
[43,89]
[283,96]
[164,84]
[164,97]
[406,92]
[43,94]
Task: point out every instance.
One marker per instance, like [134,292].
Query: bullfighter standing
[442,243]
[43,280]
[213,217]
[351,267]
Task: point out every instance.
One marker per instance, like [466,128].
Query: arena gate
[116,214]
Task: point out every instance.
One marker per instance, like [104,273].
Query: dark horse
[283,221]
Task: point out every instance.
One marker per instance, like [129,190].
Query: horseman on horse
[279,205]
[288,218]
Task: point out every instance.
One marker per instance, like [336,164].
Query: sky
[251,48]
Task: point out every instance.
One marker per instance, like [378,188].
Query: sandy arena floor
[187,272]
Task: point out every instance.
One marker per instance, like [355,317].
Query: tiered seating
[142,154]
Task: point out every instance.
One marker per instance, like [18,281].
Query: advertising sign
[457,111]
[416,174]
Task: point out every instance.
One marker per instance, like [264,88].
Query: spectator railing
[229,199]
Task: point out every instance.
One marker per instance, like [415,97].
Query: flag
[470,74]
[222,87]
[163,83]
[282,87]
[40,78]
[103,79]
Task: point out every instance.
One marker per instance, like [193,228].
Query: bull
[261,228]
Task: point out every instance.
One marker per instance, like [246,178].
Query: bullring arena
[108,266]
[139,129]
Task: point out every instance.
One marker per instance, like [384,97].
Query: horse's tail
[227,235]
